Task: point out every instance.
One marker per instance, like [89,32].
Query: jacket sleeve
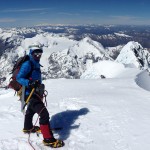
[23,72]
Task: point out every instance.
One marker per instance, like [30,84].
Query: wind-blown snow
[109,114]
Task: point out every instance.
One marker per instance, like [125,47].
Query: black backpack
[13,84]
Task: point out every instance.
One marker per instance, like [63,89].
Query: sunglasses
[37,54]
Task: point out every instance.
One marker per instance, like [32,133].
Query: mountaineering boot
[49,140]
[35,129]
[52,142]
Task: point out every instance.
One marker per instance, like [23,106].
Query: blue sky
[34,12]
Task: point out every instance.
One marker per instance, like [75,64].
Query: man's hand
[34,84]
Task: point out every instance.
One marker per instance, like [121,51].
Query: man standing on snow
[31,68]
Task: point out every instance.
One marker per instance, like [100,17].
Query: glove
[34,84]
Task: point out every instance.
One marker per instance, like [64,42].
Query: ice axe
[28,99]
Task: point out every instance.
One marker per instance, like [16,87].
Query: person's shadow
[65,120]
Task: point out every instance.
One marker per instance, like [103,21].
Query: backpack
[13,84]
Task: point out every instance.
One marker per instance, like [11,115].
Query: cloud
[124,17]
[43,13]
[68,14]
[23,10]
[7,20]
[134,20]
[92,11]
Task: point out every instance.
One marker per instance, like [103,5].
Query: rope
[29,141]
[41,98]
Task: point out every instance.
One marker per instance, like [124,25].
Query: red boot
[49,139]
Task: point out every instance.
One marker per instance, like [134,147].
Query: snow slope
[143,80]
[108,69]
[109,114]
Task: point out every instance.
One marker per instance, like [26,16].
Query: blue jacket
[25,70]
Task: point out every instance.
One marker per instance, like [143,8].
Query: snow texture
[108,114]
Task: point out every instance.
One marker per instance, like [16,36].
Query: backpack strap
[27,77]
[32,68]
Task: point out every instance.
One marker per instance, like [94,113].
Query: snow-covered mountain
[62,58]
[113,52]
[65,57]
[72,62]
[134,54]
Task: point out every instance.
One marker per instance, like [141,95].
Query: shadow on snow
[66,120]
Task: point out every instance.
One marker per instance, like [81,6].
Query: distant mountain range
[70,50]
